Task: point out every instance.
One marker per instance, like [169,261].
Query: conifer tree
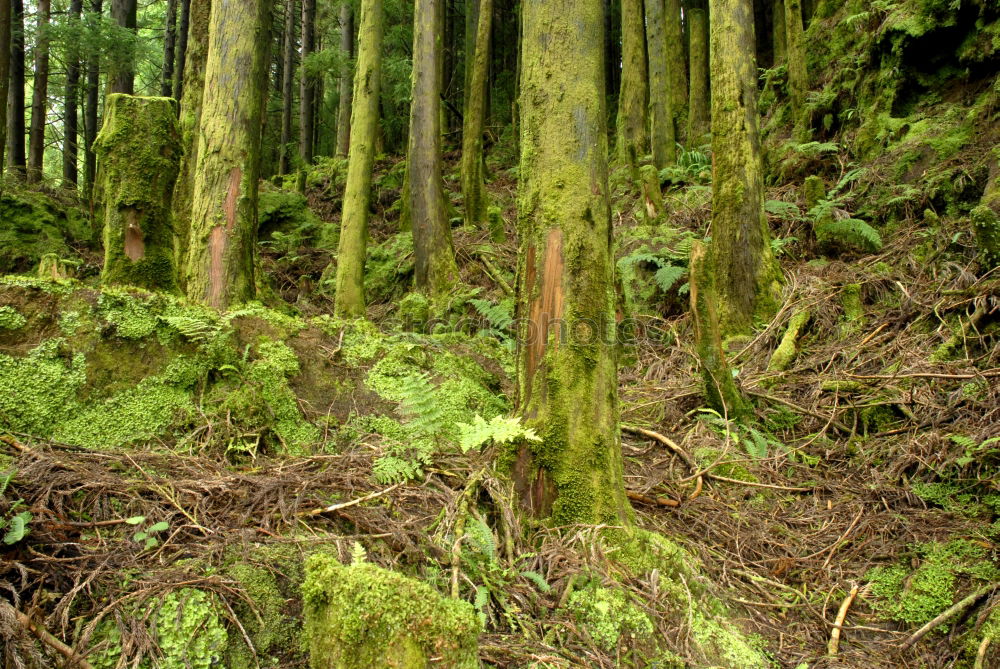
[473,188]
[633,118]
[664,140]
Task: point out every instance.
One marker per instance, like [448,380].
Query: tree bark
[71,122]
[122,76]
[698,121]
[676,64]
[139,149]
[633,137]
[349,300]
[780,42]
[436,271]
[346,80]
[220,266]
[39,95]
[169,50]
[747,274]
[90,113]
[307,85]
[567,373]
[16,128]
[798,75]
[664,138]
[182,46]
[287,87]
[473,184]
[5,47]
[195,57]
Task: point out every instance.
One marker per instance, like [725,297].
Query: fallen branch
[986,374]
[652,501]
[55,644]
[952,611]
[669,443]
[463,512]
[353,502]
[838,624]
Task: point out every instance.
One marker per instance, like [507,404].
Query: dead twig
[354,502]
[55,644]
[952,611]
[838,624]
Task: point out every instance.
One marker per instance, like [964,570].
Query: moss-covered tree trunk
[779,40]
[183,27]
[349,300]
[169,50]
[15,116]
[39,94]
[661,116]
[698,101]
[196,54]
[223,235]
[473,185]
[346,80]
[307,86]
[986,218]
[747,273]
[71,106]
[92,102]
[435,270]
[121,79]
[287,87]
[676,62]
[633,120]
[139,151]
[798,75]
[567,373]
[5,54]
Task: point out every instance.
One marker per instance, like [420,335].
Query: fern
[500,430]
[850,231]
[193,329]
[538,580]
[17,527]
[787,211]
[817,149]
[418,403]
[667,277]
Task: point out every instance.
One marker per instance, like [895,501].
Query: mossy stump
[139,151]
[363,616]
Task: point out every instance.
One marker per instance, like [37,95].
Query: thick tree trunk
[698,121]
[169,50]
[139,149]
[471,35]
[224,207]
[183,27]
[798,75]
[307,85]
[664,139]
[287,87]
[633,137]
[780,39]
[71,122]
[5,45]
[16,127]
[676,65]
[473,185]
[346,81]
[436,271]
[39,95]
[196,55]
[90,113]
[122,75]
[567,373]
[747,274]
[349,300]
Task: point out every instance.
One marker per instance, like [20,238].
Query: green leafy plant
[147,536]
[500,430]
[15,523]
[975,450]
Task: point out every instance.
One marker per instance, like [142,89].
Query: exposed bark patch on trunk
[547,305]
[230,207]
[135,247]
[535,491]
[217,265]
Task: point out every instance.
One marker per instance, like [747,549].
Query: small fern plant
[975,450]
[424,425]
[500,430]
[14,524]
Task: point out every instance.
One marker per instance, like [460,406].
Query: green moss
[40,389]
[360,341]
[363,616]
[788,349]
[389,268]
[131,316]
[11,319]
[414,311]
[732,470]
[850,299]
[607,614]
[33,225]
[986,223]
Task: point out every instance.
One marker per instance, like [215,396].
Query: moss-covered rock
[362,616]
[32,225]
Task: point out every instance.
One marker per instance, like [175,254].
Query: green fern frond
[193,329]
[850,231]
[667,277]
[500,316]
[817,149]
[500,430]
[5,479]
[787,211]
[419,404]
[17,528]
[538,580]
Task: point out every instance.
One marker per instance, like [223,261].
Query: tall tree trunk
[139,149]
[307,85]
[349,300]
[122,76]
[471,35]
[473,186]
[798,75]
[633,137]
[780,38]
[436,271]
[71,122]
[747,275]
[5,46]
[196,55]
[16,130]
[39,95]
[90,113]
[613,53]
[676,65]
[664,138]
[169,49]
[346,80]
[182,46]
[287,87]
[567,373]
[223,236]
[698,121]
